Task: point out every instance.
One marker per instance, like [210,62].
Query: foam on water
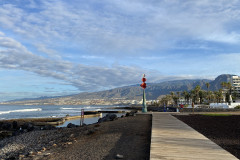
[69,108]
[88,108]
[21,110]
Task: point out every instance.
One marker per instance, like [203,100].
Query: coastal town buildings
[235,81]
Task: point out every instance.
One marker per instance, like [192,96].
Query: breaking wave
[21,110]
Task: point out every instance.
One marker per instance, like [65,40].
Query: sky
[59,47]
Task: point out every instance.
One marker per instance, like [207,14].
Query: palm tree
[173,96]
[178,96]
[196,91]
[219,95]
[227,86]
[223,85]
[186,95]
[208,85]
[166,100]
[202,95]
[212,97]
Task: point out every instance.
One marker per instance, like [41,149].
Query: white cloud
[42,33]
[122,26]
[87,78]
[2,34]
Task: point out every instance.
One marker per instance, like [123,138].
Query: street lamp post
[143,85]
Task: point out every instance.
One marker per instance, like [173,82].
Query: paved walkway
[173,139]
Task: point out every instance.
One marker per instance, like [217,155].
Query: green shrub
[237,107]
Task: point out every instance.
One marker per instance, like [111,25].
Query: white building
[235,81]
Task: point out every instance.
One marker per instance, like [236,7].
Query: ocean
[33,111]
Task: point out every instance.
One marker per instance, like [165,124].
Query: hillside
[134,92]
[152,91]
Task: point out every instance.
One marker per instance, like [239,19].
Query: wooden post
[82,117]
[193,107]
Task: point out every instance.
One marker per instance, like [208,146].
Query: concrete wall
[223,105]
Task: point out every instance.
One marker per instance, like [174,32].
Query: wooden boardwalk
[174,140]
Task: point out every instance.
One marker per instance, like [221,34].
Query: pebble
[46,154]
[11,146]
[119,156]
[21,156]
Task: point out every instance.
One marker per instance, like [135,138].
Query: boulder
[48,127]
[70,125]
[37,128]
[6,126]
[108,117]
[132,113]
[4,134]
[1,123]
[15,125]
[28,126]
[112,116]
[100,120]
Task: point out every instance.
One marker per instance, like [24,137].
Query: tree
[178,96]
[173,97]
[207,85]
[227,87]
[208,97]
[186,96]
[212,97]
[202,95]
[223,84]
[219,95]
[165,100]
[196,93]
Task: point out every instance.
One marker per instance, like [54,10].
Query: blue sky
[58,47]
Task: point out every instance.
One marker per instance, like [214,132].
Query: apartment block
[235,80]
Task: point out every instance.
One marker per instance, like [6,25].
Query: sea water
[34,111]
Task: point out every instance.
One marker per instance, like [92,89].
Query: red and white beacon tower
[144,85]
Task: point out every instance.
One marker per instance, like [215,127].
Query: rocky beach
[120,138]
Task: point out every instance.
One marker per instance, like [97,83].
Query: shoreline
[61,120]
[47,120]
[13,127]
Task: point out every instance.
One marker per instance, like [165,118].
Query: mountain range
[133,92]
[154,90]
